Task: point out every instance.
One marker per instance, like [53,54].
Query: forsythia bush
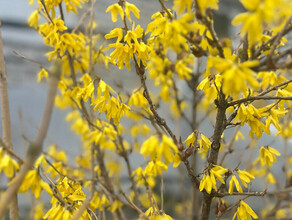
[236,86]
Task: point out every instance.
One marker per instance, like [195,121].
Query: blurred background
[27,96]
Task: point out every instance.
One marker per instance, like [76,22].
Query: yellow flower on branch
[260,14]
[244,212]
[117,32]
[150,147]
[182,5]
[8,164]
[233,182]
[155,168]
[204,142]
[33,19]
[34,182]
[42,74]
[121,55]
[131,8]
[115,9]
[133,35]
[244,177]
[208,182]
[203,5]
[191,139]
[115,206]
[268,155]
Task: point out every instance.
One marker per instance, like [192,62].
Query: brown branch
[215,146]
[260,95]
[254,98]
[10,151]
[125,154]
[229,147]
[6,123]
[141,213]
[35,147]
[263,193]
[81,20]
[231,207]
[159,120]
[165,9]
[210,25]
[90,37]
[190,171]
[61,11]
[46,10]
[77,215]
[56,192]
[270,41]
[278,38]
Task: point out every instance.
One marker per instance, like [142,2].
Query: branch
[6,124]
[261,97]
[159,120]
[253,98]
[190,171]
[215,146]
[271,40]
[77,215]
[263,193]
[35,147]
[133,205]
[10,151]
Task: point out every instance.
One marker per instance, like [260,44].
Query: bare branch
[6,124]
[35,147]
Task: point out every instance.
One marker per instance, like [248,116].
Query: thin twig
[133,205]
[11,152]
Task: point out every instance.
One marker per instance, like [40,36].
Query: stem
[6,124]
[215,146]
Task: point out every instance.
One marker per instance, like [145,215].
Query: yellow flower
[131,8]
[8,164]
[181,5]
[244,177]
[34,182]
[121,55]
[98,202]
[115,9]
[138,129]
[33,19]
[237,77]
[204,142]
[38,211]
[259,12]
[150,147]
[208,182]
[233,182]
[133,35]
[191,139]
[268,156]
[203,5]
[42,74]
[154,168]
[115,206]
[167,149]
[271,179]
[176,160]
[114,168]
[244,212]
[117,32]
